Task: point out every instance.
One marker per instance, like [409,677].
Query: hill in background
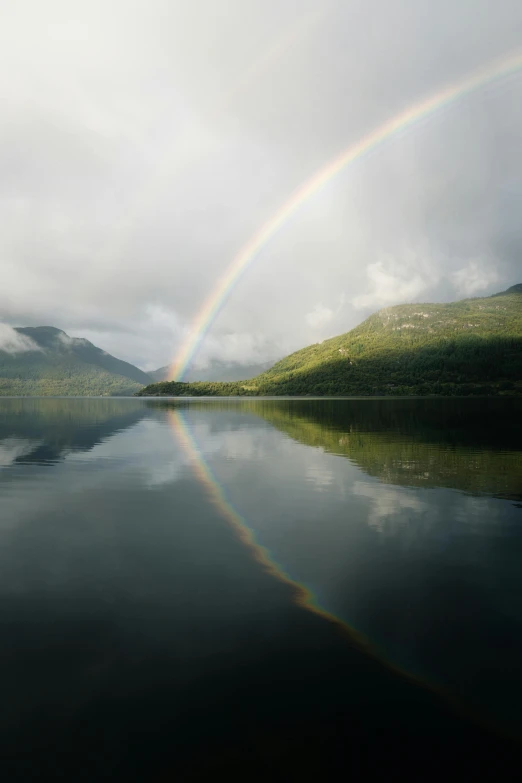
[216,371]
[43,360]
[473,346]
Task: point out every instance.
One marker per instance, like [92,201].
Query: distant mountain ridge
[216,371]
[473,346]
[44,360]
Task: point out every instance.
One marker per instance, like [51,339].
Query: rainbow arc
[390,129]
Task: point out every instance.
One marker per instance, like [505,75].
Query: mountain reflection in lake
[269,589]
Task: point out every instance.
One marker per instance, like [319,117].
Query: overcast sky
[143,142]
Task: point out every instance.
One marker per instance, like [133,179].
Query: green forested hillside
[473,346]
[52,363]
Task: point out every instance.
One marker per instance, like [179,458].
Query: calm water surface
[264,589]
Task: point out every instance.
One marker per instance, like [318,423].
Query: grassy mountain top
[44,360]
[473,346]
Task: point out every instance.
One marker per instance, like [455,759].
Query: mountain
[473,346]
[515,289]
[217,371]
[43,360]
[161,374]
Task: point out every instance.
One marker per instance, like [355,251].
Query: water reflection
[473,445]
[428,575]
[180,571]
[44,430]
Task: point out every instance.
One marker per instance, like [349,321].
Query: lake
[286,589]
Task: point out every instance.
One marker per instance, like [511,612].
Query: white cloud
[319,316]
[13,342]
[394,282]
[475,277]
[237,347]
[68,341]
[149,342]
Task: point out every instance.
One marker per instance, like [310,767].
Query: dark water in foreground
[260,590]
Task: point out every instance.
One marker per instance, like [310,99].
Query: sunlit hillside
[473,346]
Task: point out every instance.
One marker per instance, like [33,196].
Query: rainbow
[301,595]
[391,128]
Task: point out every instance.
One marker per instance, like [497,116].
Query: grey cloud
[13,342]
[143,144]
